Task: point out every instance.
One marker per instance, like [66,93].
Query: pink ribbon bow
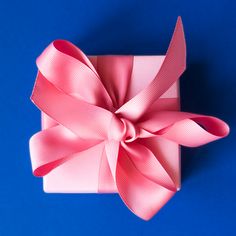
[88,107]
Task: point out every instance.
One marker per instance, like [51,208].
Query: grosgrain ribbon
[89,107]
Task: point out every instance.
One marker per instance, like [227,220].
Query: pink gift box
[111,124]
[81,173]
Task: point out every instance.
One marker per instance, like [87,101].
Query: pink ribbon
[86,108]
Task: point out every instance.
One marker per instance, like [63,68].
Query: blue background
[206,205]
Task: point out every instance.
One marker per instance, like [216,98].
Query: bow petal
[142,183]
[139,190]
[86,120]
[148,165]
[54,146]
[168,155]
[183,128]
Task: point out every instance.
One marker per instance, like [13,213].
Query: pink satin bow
[87,107]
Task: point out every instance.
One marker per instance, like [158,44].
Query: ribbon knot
[77,99]
[130,131]
[122,130]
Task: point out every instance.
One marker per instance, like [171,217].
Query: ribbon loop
[183,128]
[66,66]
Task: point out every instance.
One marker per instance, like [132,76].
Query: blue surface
[206,205]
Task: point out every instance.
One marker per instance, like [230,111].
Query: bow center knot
[122,130]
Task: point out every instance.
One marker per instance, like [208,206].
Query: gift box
[111,124]
[83,172]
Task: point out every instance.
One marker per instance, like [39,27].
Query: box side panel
[78,175]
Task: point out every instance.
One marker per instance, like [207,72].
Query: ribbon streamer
[88,108]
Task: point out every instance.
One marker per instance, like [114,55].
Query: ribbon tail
[106,182]
[172,67]
[112,151]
